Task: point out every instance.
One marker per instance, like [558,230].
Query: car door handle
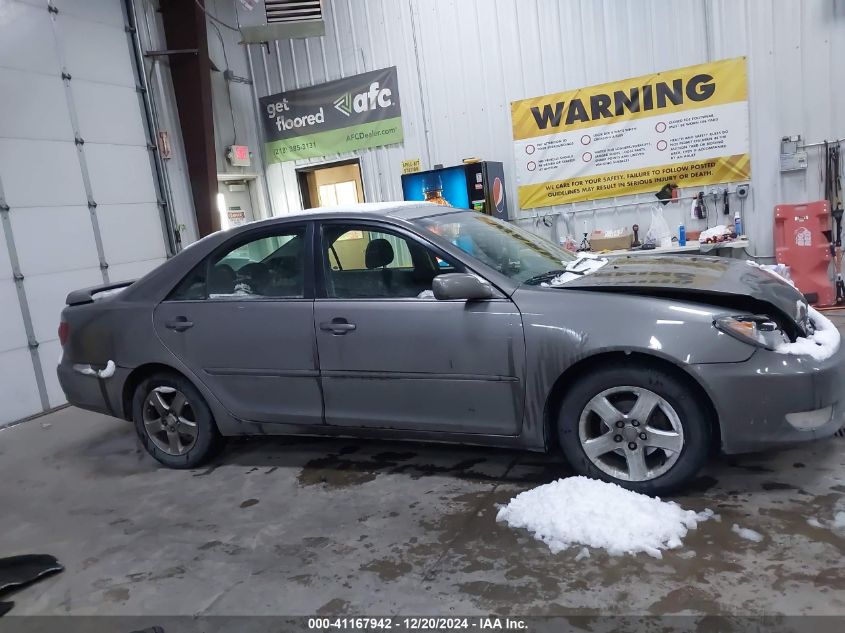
[180,324]
[337,326]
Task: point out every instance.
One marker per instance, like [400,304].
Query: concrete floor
[308,526]
[325,526]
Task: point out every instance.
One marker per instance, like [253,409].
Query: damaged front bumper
[773,400]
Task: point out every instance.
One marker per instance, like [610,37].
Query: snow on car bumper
[91,391]
[774,400]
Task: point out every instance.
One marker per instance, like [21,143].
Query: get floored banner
[332,118]
[688,126]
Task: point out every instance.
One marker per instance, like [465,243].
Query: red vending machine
[801,244]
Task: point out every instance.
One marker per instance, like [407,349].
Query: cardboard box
[620,239]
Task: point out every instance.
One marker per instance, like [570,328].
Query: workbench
[691,247]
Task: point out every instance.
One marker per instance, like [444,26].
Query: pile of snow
[592,513]
[838,522]
[582,554]
[821,345]
[585,264]
[748,535]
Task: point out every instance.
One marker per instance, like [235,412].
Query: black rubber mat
[17,571]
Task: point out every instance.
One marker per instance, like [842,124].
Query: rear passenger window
[270,267]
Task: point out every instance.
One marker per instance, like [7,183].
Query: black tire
[207,441]
[691,413]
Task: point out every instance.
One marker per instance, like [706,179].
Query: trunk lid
[103,291]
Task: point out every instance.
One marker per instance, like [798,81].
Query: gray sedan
[414,321]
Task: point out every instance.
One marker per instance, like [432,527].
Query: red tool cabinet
[801,244]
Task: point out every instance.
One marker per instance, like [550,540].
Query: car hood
[705,279]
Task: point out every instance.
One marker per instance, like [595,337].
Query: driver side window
[364,263]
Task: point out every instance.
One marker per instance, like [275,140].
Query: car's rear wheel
[636,426]
[174,422]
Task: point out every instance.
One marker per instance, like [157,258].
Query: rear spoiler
[86,295]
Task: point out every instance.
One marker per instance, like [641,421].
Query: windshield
[520,255]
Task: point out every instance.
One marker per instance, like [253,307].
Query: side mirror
[461,286]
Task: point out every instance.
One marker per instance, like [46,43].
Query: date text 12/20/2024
[417,624]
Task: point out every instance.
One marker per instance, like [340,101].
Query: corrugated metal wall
[461,63]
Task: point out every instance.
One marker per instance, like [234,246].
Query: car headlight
[752,329]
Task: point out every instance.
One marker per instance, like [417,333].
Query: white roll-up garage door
[78,196]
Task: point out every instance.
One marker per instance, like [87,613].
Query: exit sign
[239,155]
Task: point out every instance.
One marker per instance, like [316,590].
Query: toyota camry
[418,322]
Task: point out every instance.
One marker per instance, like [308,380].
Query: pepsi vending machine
[479,186]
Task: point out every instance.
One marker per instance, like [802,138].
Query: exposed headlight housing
[757,330]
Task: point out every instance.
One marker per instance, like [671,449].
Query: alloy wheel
[631,433]
[169,420]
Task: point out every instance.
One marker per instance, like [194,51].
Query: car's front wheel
[636,426]
[174,422]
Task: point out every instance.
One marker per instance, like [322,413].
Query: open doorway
[331,185]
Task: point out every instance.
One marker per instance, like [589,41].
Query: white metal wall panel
[47,293]
[54,239]
[11,325]
[27,42]
[473,57]
[39,173]
[142,244]
[96,51]
[120,174]
[47,180]
[29,106]
[99,106]
[103,11]
[132,270]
